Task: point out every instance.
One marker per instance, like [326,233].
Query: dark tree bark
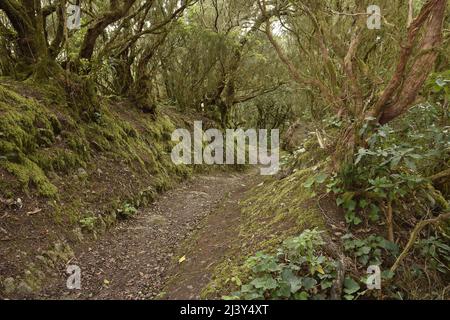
[26,18]
[117,12]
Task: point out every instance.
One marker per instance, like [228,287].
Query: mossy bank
[70,167]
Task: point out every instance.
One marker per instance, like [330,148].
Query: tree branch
[415,234]
[386,109]
[439,176]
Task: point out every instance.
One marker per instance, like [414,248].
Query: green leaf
[283,291]
[374,214]
[309,183]
[350,205]
[254,296]
[321,178]
[351,286]
[387,274]
[363,260]
[410,164]
[390,246]
[246,288]
[309,283]
[266,283]
[363,204]
[395,161]
[357,221]
[229,298]
[301,296]
[326,284]
[364,250]
[295,282]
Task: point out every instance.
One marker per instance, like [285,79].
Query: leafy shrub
[297,271]
[394,167]
[88,223]
[127,211]
[369,251]
[436,252]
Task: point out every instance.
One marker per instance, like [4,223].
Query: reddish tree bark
[404,87]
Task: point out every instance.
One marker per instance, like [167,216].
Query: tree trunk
[115,14]
[27,17]
[27,21]
[404,87]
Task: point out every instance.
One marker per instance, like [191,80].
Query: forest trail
[138,257]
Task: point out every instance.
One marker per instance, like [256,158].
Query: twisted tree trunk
[116,13]
[404,86]
[26,18]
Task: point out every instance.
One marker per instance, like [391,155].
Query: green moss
[30,174]
[34,274]
[162,183]
[60,253]
[58,159]
[34,141]
[25,127]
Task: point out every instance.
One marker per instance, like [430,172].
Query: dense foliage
[373,103]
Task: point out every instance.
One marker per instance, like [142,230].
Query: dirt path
[208,245]
[135,260]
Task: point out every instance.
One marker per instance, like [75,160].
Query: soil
[168,250]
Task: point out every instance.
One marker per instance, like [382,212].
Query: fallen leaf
[320,270]
[182,259]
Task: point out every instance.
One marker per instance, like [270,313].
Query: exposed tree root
[336,252]
[415,234]
[336,290]
[390,222]
[440,175]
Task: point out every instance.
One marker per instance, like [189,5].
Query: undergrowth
[298,270]
[382,195]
